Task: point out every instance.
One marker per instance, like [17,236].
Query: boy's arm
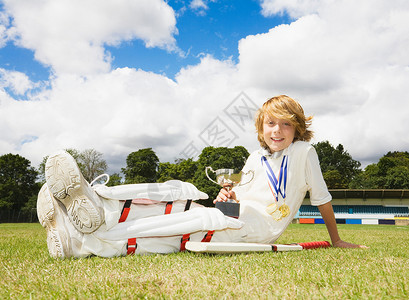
[328,216]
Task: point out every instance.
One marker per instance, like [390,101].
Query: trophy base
[230,209]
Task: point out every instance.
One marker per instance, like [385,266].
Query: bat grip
[313,245]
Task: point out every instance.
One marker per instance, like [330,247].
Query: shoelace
[99,177]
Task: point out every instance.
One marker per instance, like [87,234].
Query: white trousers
[156,232]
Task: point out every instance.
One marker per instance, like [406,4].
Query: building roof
[369,194]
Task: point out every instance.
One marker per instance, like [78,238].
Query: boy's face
[278,133]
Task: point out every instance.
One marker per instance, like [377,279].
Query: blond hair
[285,108]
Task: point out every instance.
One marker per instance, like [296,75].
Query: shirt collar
[266,152]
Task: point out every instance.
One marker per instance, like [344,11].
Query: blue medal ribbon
[275,185]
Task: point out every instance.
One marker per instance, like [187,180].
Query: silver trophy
[228,178]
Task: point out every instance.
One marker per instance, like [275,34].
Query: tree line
[20,182]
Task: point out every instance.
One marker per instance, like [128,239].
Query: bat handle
[313,245]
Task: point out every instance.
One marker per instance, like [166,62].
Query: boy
[285,168]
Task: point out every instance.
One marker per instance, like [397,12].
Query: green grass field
[381,272]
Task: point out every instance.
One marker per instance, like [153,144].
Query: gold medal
[284,209]
[276,188]
[271,208]
[277,215]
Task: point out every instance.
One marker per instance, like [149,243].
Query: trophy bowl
[228,178]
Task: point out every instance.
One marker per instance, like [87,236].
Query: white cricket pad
[171,190]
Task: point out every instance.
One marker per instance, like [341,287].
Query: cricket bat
[218,247]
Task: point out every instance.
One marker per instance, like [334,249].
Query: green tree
[333,179]
[114,179]
[390,172]
[141,166]
[167,171]
[367,179]
[397,178]
[392,160]
[336,159]
[17,181]
[182,169]
[217,158]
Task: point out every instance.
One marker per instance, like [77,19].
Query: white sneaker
[66,183]
[55,221]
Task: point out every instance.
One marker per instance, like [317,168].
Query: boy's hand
[225,195]
[342,244]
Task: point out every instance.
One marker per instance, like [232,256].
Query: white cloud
[119,112]
[18,82]
[4,24]
[69,35]
[200,7]
[342,60]
[294,8]
[198,4]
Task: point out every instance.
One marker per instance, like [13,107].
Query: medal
[285,210]
[275,186]
[271,208]
[277,215]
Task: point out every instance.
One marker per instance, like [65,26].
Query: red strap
[168,208]
[125,211]
[208,236]
[131,246]
[188,203]
[185,239]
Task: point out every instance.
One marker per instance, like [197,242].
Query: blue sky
[154,73]
[22,60]
[215,30]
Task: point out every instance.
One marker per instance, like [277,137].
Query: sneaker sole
[50,217]
[66,183]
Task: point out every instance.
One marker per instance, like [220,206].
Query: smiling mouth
[277,139]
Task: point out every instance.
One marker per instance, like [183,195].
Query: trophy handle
[246,173]
[210,168]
